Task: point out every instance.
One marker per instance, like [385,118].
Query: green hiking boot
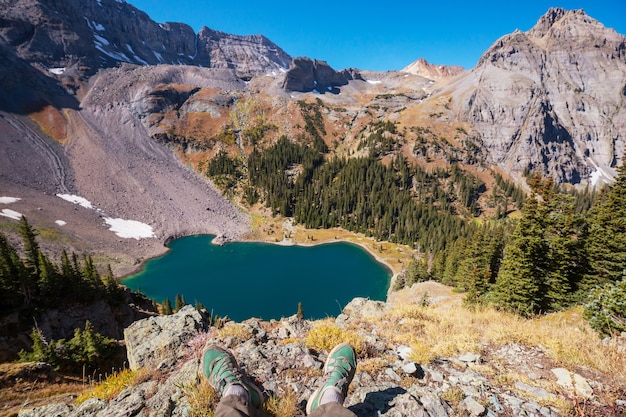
[222,371]
[338,373]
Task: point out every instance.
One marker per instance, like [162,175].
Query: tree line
[37,282]
[553,256]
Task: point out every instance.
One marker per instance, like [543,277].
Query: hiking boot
[222,371]
[338,373]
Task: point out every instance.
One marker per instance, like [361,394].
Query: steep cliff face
[92,34]
[307,75]
[551,99]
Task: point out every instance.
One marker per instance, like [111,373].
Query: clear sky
[377,35]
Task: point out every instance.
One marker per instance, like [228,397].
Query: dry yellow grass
[235,330]
[113,385]
[446,329]
[325,335]
[202,398]
[283,406]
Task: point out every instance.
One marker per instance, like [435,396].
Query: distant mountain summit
[428,70]
[552,99]
[92,34]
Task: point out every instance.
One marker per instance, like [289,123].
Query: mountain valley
[120,134]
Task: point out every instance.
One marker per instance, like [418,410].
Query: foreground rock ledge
[274,354]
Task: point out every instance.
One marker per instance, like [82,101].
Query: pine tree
[606,243]
[31,247]
[179,302]
[300,312]
[11,269]
[521,279]
[48,276]
[474,274]
[166,307]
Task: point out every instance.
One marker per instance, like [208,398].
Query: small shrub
[235,330]
[202,398]
[606,312]
[112,385]
[327,336]
[285,406]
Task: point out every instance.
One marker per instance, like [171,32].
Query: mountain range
[107,115]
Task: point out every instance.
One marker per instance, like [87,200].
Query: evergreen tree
[10,272]
[48,276]
[474,273]
[166,307]
[179,302]
[606,310]
[606,243]
[300,312]
[566,233]
[521,278]
[31,247]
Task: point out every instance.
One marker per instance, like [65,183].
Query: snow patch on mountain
[129,229]
[11,214]
[9,200]
[83,202]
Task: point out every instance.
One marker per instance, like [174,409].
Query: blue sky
[377,35]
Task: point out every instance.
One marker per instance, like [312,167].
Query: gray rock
[89,408]
[71,33]
[516,101]
[167,335]
[410,368]
[307,74]
[470,358]
[393,375]
[309,361]
[53,410]
[170,392]
[130,401]
[404,351]
[473,407]
[385,400]
[536,391]
[363,308]
[573,382]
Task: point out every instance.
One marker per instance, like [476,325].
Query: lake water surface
[242,280]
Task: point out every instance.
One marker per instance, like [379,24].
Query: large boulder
[166,335]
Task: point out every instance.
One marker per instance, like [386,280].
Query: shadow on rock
[377,402]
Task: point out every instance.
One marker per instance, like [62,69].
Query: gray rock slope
[92,34]
[275,356]
[551,99]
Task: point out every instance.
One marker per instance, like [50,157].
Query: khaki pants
[234,406]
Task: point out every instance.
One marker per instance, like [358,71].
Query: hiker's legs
[233,406]
[339,369]
[238,396]
[331,409]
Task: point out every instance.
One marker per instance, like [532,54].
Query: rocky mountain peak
[307,75]
[546,21]
[93,34]
[538,94]
[426,69]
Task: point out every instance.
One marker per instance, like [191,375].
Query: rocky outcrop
[168,333]
[307,75]
[107,319]
[275,356]
[551,99]
[434,72]
[85,35]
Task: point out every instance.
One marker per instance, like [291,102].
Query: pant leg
[233,406]
[331,409]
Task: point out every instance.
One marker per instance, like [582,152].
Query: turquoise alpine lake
[245,279]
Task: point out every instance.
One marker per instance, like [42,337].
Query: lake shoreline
[213,274]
